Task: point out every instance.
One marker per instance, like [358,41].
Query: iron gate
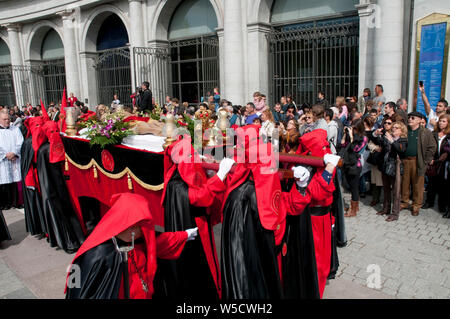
[53,74]
[312,57]
[152,65]
[7,95]
[114,75]
[30,83]
[194,67]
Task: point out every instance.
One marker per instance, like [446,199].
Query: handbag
[389,165]
[435,169]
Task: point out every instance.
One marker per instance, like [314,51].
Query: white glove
[224,168]
[192,233]
[302,174]
[332,159]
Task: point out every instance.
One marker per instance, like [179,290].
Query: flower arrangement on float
[109,131]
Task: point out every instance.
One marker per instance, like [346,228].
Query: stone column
[388,48]
[15,49]
[136,34]
[136,24]
[233,87]
[258,60]
[366,33]
[70,54]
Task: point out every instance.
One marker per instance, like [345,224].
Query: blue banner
[431,63]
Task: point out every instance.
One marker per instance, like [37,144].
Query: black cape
[4,232]
[9,196]
[34,217]
[248,253]
[100,273]
[62,225]
[338,235]
[189,276]
[299,263]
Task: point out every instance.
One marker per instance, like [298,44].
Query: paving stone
[437,241]
[351,270]
[23,293]
[423,232]
[425,238]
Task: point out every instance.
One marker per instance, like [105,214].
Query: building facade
[185,48]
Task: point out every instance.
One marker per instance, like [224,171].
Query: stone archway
[7,94]
[44,78]
[109,70]
[164,9]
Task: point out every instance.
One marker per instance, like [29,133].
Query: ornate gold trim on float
[126,171]
[433,18]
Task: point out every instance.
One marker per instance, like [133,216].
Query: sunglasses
[388,123]
[308,117]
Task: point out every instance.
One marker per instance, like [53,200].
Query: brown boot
[354,208]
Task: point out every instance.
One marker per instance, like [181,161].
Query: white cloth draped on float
[147,142]
[11,140]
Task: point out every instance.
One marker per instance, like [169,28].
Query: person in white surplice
[11,140]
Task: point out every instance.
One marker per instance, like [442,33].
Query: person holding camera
[355,142]
[145,98]
[393,141]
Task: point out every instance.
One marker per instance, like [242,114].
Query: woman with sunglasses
[393,140]
[307,123]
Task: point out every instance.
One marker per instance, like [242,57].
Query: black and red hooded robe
[62,224]
[299,261]
[253,223]
[191,200]
[35,137]
[99,263]
[47,209]
[315,144]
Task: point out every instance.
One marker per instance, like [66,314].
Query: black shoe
[427,205]
[447,214]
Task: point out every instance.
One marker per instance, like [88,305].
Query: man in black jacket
[145,98]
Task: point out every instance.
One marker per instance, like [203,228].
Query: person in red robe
[96,271]
[300,271]
[47,210]
[72,99]
[253,222]
[321,190]
[191,199]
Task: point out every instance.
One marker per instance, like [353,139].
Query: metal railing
[114,75]
[152,65]
[312,57]
[7,95]
[194,67]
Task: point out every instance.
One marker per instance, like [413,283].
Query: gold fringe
[130,183]
[66,165]
[116,176]
[95,172]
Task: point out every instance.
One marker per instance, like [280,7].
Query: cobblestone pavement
[413,253]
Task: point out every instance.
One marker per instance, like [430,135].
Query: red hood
[314,143]
[57,153]
[182,155]
[44,112]
[34,126]
[126,210]
[262,163]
